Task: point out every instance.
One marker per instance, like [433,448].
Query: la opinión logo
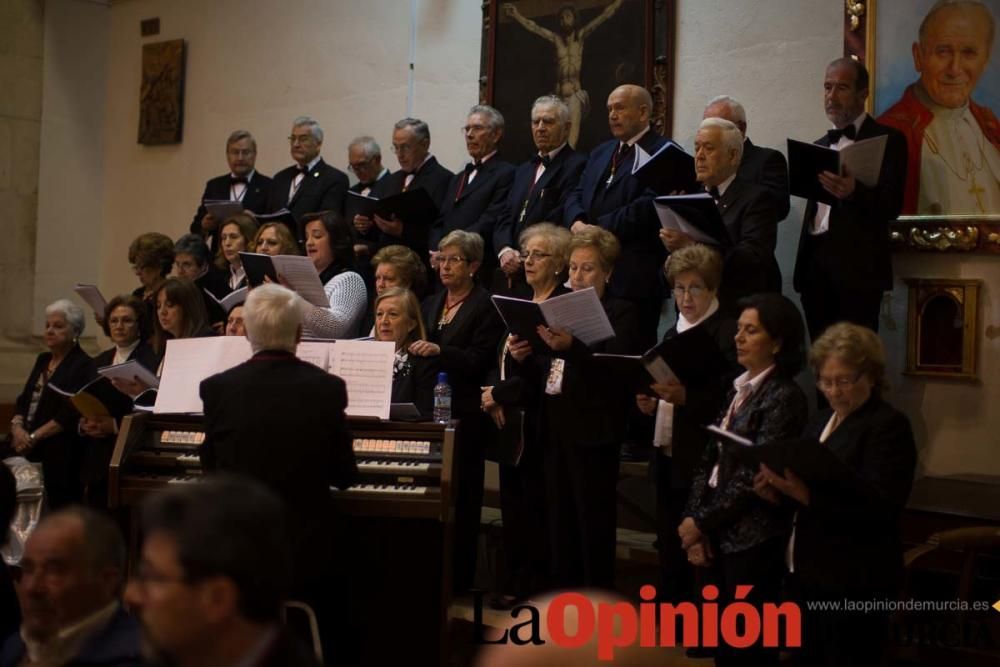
[572,620]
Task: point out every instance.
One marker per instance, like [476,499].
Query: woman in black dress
[398,320]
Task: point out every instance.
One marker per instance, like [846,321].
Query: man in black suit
[764,166]
[242,184]
[748,211]
[281,420]
[411,142]
[477,197]
[843,263]
[310,184]
[608,197]
[364,159]
[541,186]
[212,577]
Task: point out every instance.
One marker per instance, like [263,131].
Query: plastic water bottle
[442,399]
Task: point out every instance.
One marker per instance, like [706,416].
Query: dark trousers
[581,483]
[839,638]
[825,303]
[763,567]
[525,540]
[470,471]
[677,581]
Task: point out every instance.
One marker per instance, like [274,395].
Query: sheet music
[92,297]
[227,302]
[316,353]
[188,361]
[863,159]
[669,219]
[130,370]
[366,368]
[300,274]
[660,370]
[580,313]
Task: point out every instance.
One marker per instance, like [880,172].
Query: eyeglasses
[694,292]
[842,383]
[354,166]
[534,256]
[237,152]
[300,139]
[475,129]
[145,575]
[448,261]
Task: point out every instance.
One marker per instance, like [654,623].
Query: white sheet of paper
[366,368]
[729,435]
[669,219]
[92,296]
[220,209]
[316,353]
[300,274]
[130,370]
[863,159]
[188,361]
[579,313]
[660,370]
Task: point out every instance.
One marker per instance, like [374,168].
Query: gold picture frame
[942,330]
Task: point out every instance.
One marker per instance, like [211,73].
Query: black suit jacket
[468,346]
[255,199]
[751,218]
[767,167]
[433,178]
[625,209]
[415,383]
[323,189]
[855,254]
[117,644]
[281,420]
[542,203]
[848,538]
[480,206]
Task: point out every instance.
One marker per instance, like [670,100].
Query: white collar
[724,185]
[123,352]
[71,637]
[249,176]
[858,122]
[745,384]
[683,324]
[483,161]
[312,165]
[551,154]
[634,140]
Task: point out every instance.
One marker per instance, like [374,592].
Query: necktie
[834,135]
[541,159]
[238,179]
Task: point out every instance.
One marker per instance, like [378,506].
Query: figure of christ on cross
[569,56]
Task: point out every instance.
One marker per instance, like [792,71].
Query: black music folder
[283,216]
[806,161]
[806,457]
[508,445]
[697,215]
[668,170]
[412,206]
[257,265]
[685,358]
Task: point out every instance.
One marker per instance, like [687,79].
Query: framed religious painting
[579,51]
[161,97]
[935,79]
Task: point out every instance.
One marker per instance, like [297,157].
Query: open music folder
[297,270]
[580,313]
[695,215]
[412,206]
[806,457]
[667,171]
[364,366]
[862,159]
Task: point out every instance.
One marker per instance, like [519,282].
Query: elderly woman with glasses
[681,412]
[524,376]
[44,426]
[845,542]
[463,332]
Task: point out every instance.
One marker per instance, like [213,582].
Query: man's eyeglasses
[842,383]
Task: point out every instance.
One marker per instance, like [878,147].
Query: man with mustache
[843,263]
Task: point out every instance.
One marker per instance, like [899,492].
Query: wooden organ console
[399,517]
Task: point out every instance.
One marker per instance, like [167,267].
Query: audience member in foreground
[212,577]
[70,581]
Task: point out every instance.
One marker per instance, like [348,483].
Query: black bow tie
[834,135]
[303,169]
[472,166]
[714,192]
[238,179]
[541,159]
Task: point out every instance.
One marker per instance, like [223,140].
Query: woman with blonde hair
[398,320]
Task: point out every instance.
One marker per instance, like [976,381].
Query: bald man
[608,197]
